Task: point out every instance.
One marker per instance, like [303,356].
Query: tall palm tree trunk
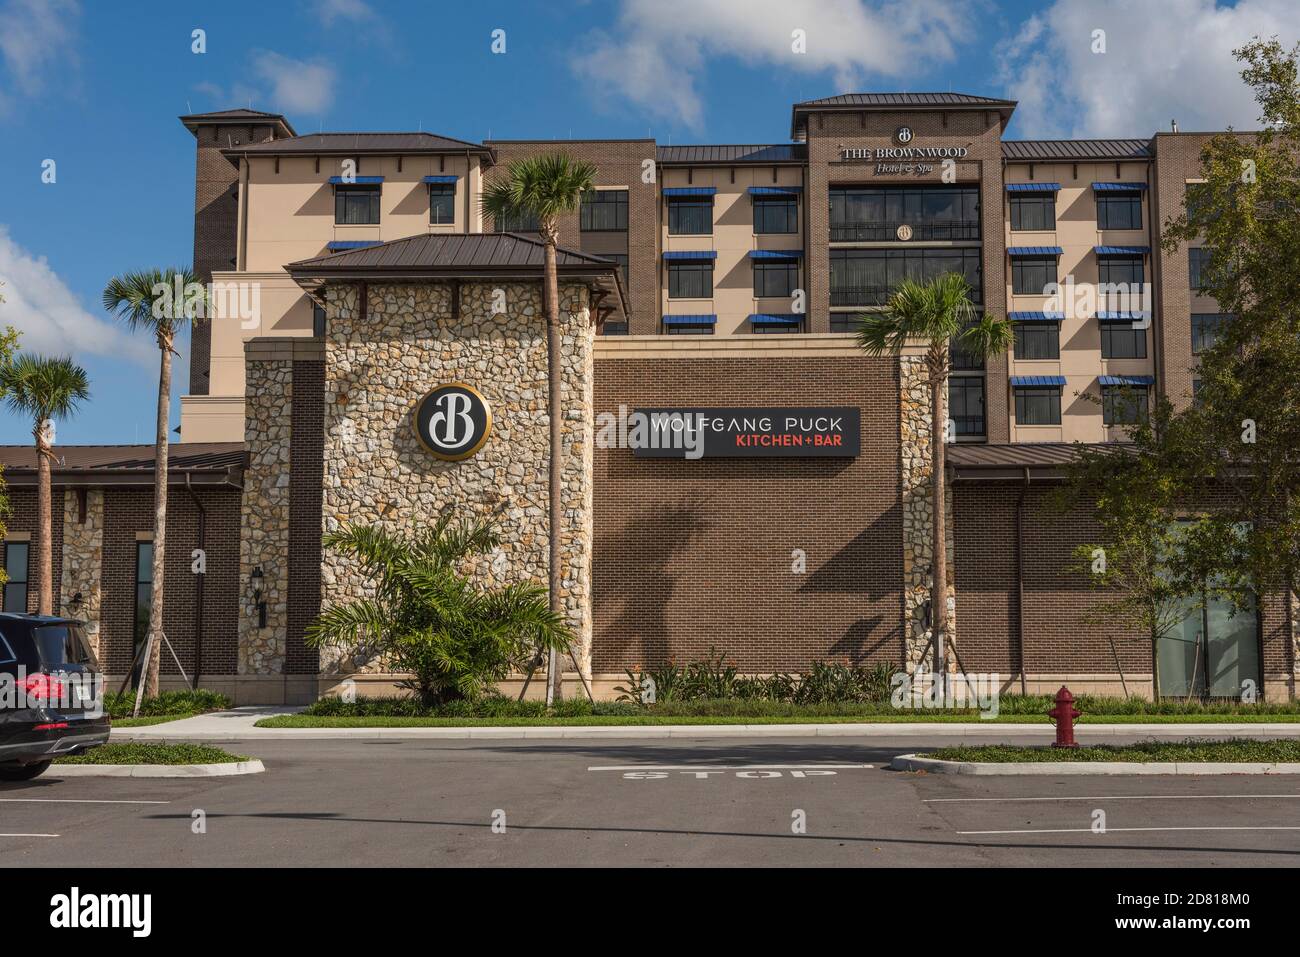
[153,665]
[555,690]
[44,524]
[939,597]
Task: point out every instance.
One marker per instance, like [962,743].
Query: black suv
[51,694]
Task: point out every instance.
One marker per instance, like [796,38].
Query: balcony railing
[873,295]
[968,424]
[888,232]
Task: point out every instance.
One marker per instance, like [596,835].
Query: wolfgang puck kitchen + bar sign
[694,433]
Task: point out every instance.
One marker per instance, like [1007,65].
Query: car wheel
[22,772]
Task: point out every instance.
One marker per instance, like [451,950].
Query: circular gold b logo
[453,421]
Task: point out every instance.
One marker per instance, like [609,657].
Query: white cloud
[52,321]
[332,10]
[660,47]
[36,39]
[1164,60]
[297,86]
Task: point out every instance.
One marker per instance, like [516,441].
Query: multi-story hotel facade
[725,278]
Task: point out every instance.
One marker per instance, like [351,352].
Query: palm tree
[934,314]
[44,388]
[548,187]
[425,618]
[160,302]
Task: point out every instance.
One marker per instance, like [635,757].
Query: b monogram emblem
[903,134]
[453,421]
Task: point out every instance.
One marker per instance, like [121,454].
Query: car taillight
[42,687]
[56,726]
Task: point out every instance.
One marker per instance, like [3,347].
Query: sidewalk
[238,725]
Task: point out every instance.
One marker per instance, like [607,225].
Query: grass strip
[136,752]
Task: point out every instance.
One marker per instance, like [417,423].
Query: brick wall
[618,163]
[128,511]
[690,555]
[306,474]
[22,518]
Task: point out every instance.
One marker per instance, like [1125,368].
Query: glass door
[1213,653]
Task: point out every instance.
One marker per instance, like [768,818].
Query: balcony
[887,232]
[875,295]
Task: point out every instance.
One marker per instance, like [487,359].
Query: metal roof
[975,461]
[1070,150]
[452,256]
[365,143]
[127,464]
[240,116]
[703,155]
[893,101]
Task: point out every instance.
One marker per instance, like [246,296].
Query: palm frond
[43,387]
[145,299]
[548,186]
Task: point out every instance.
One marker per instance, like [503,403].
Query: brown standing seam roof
[192,120]
[972,461]
[1131,149]
[124,462]
[774,153]
[363,143]
[451,251]
[891,100]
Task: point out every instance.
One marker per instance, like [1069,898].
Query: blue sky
[97,87]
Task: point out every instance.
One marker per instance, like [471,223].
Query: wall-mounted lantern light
[257,596]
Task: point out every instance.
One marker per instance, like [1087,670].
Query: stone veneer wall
[915,439]
[83,555]
[377,368]
[264,538]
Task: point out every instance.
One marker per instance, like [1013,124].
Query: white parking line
[29,835]
[72,801]
[1111,830]
[728,767]
[1111,797]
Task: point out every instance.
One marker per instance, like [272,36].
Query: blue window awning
[442,180]
[357,181]
[341,244]
[691,319]
[1122,316]
[1121,250]
[690,191]
[1037,316]
[775,190]
[691,254]
[775,253]
[775,318]
[1022,381]
[1033,187]
[1034,251]
[1118,187]
[1129,380]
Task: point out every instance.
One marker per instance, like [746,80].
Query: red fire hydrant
[1064,714]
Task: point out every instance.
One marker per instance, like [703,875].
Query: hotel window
[317,321]
[518,221]
[966,404]
[1198,261]
[690,217]
[1031,275]
[690,280]
[603,211]
[1038,340]
[1033,211]
[776,214]
[1121,269]
[1206,327]
[1123,405]
[1121,341]
[960,359]
[868,277]
[143,591]
[1038,405]
[874,213]
[775,279]
[17,555]
[442,203]
[1120,284]
[1119,210]
[356,204]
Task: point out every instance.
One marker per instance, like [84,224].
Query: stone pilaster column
[83,559]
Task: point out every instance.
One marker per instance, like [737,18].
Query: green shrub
[121,705]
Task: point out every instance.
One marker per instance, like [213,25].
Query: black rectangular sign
[693,433]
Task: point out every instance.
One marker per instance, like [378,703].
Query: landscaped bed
[168,706]
[493,710]
[1229,751]
[139,753]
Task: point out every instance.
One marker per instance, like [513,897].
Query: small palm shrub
[454,636]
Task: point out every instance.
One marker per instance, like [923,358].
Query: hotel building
[692,277]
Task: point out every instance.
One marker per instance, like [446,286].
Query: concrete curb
[244,730]
[155,770]
[911,762]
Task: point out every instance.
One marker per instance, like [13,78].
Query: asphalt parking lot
[763,802]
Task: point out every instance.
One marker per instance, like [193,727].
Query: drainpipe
[198,586]
[1020,580]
